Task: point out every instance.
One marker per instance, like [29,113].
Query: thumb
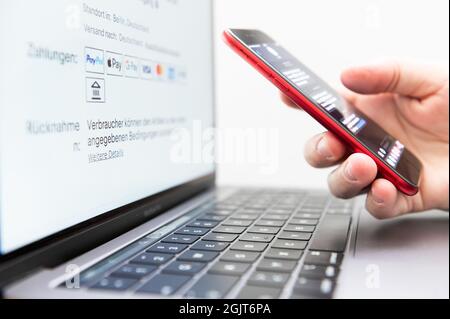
[408,79]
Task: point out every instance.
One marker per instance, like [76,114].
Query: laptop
[105,194]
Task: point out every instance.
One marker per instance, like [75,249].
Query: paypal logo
[94,60]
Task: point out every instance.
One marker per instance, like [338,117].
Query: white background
[327,36]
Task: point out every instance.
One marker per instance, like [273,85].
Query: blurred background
[327,36]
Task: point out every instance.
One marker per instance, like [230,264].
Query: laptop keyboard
[253,244]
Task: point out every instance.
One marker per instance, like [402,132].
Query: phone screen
[387,148]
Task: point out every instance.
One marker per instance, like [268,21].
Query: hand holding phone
[352,129]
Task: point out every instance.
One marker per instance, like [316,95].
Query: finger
[324,150]
[353,176]
[404,78]
[385,201]
[287,100]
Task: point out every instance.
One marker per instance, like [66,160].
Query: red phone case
[383,169]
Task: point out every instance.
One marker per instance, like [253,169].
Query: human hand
[412,103]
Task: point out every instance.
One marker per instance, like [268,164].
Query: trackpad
[400,258]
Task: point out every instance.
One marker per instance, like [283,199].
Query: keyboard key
[288,254]
[240,256]
[164,284]
[307,215]
[212,286]
[277,265]
[257,237]
[341,203]
[203,223]
[332,233]
[279,211]
[237,222]
[268,279]
[167,248]
[152,259]
[223,212]
[192,231]
[276,217]
[287,207]
[198,256]
[112,283]
[323,258]
[314,205]
[314,288]
[229,268]
[290,244]
[255,292]
[345,207]
[318,272]
[302,221]
[212,218]
[249,211]
[316,202]
[311,210]
[246,216]
[249,246]
[133,271]
[226,206]
[255,207]
[180,239]
[220,237]
[275,223]
[299,228]
[294,235]
[210,246]
[184,268]
[264,230]
[339,212]
[229,229]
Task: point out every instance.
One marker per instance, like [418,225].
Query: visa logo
[146,69]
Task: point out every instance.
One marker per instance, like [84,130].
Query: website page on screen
[90,94]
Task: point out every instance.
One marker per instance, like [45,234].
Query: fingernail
[377,199]
[349,173]
[323,149]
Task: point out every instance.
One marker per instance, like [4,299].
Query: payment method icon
[148,70]
[131,67]
[159,70]
[182,74]
[171,73]
[94,60]
[114,63]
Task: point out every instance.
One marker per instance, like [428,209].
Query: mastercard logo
[159,70]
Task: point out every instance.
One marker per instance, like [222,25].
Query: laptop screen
[98,101]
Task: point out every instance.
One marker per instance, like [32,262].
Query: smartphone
[395,162]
